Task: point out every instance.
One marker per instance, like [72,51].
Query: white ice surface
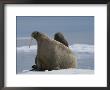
[62,71]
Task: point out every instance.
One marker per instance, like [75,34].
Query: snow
[62,71]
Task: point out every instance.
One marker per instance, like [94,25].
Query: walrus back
[53,54]
[64,56]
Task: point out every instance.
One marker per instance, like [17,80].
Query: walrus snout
[34,35]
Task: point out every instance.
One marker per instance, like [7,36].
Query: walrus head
[38,35]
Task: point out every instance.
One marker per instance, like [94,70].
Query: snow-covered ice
[62,71]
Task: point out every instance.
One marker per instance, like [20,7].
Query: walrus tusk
[30,42]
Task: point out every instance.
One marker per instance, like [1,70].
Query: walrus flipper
[35,67]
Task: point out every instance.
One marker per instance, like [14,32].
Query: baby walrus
[51,54]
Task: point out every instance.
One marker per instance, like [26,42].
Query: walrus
[51,54]
[60,37]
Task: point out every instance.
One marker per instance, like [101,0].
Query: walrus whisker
[30,42]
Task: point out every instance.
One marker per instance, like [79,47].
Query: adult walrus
[51,54]
[58,37]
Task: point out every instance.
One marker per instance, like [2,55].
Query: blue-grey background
[76,29]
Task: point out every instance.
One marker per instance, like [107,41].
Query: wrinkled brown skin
[52,55]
